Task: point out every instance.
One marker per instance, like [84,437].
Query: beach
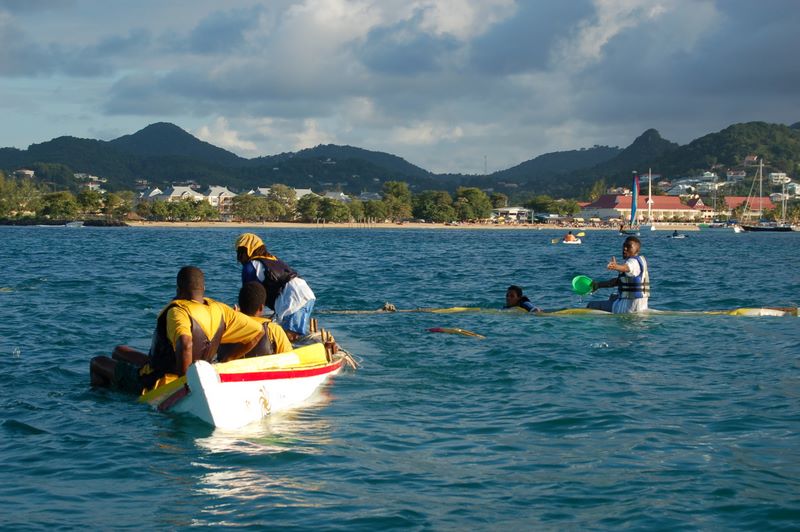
[403,225]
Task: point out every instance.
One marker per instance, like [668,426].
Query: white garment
[627,306]
[292,298]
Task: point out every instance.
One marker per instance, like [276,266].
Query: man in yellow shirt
[251,302]
[190,328]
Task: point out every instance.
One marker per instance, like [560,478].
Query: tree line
[22,198]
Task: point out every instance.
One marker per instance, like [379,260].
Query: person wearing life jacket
[632,282]
[288,295]
[274,341]
[190,328]
[516,300]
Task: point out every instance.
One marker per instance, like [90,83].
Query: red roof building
[664,208]
[732,202]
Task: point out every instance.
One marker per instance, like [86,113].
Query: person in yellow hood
[288,295]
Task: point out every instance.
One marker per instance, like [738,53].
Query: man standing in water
[632,283]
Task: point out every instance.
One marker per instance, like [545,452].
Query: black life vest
[163,358]
[264,347]
[276,274]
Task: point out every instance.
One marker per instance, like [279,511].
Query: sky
[449,85]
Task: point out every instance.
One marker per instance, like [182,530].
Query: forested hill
[332,152]
[168,140]
[164,153]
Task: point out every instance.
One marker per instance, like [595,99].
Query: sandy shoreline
[405,225]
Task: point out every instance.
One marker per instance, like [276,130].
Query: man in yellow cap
[288,295]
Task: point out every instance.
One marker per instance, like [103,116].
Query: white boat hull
[234,394]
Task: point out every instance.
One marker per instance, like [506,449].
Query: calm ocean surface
[609,422]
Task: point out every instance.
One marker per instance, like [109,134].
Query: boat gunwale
[280,373]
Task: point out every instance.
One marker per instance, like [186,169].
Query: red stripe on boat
[279,374]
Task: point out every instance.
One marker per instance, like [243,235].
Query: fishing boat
[233,394]
[762,226]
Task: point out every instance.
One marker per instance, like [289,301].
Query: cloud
[220,134]
[439,82]
[219,32]
[311,136]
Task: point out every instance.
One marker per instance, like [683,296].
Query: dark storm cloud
[742,67]
[402,50]
[142,95]
[31,6]
[524,42]
[219,33]
[22,55]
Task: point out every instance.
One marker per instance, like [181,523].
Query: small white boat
[677,236]
[233,394]
[74,224]
[573,242]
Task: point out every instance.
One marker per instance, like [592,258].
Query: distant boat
[633,228]
[761,226]
[74,224]
[649,225]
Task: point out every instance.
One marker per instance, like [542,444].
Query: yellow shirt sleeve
[179,323]
[239,328]
[278,336]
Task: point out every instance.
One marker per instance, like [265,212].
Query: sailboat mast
[650,195]
[760,190]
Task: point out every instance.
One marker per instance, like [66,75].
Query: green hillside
[164,153]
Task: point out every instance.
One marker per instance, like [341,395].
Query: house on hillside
[735,176]
[24,173]
[338,196]
[370,196]
[779,178]
[681,189]
[261,192]
[302,192]
[150,194]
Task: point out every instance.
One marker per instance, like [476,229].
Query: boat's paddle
[449,330]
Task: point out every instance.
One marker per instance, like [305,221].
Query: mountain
[333,152]
[163,139]
[561,162]
[163,153]
[778,144]
[648,147]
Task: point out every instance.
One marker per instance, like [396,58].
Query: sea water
[549,423]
